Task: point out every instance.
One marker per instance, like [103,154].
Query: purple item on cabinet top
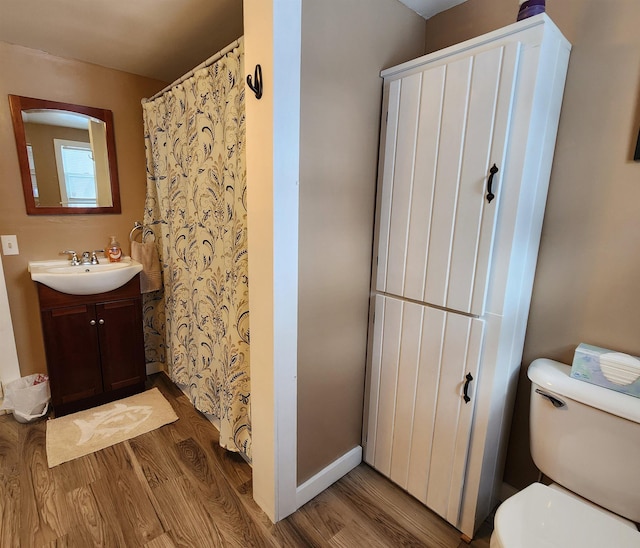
[528,8]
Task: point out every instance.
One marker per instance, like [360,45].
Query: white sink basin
[86,279]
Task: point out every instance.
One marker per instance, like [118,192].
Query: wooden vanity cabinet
[94,346]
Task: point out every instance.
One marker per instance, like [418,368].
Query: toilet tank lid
[555,377]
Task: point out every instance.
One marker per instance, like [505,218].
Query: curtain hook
[256,85]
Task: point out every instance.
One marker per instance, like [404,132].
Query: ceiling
[161,39]
[428,8]
[59,118]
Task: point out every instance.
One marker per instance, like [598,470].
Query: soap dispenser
[114,251]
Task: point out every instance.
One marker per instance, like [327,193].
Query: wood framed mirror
[67,157]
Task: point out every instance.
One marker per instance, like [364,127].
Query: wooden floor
[176,487]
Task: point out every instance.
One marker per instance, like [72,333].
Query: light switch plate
[9,245]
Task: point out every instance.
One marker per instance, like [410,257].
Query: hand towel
[147,255]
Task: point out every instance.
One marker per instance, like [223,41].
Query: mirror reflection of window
[76,173]
[67,175]
[32,171]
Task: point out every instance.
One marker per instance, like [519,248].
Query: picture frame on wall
[636,156]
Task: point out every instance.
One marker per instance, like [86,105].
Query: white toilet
[586,439]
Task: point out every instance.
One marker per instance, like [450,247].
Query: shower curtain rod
[215,57]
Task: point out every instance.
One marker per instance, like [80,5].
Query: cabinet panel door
[458,356]
[121,343]
[404,157]
[437,226]
[419,424]
[71,344]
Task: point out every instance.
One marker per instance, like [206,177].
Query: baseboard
[2,411]
[506,491]
[328,476]
[154,367]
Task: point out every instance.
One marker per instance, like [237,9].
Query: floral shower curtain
[195,210]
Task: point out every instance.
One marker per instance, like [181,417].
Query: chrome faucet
[94,257]
[88,257]
[74,257]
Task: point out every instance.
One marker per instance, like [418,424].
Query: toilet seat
[542,517]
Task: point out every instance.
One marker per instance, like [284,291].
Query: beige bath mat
[76,435]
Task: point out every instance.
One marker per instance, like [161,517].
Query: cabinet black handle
[494,169]
[469,378]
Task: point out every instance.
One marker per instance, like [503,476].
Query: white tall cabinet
[467,143]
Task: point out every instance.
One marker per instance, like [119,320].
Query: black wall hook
[256,85]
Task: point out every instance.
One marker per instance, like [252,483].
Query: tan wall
[33,73]
[344,47]
[586,287]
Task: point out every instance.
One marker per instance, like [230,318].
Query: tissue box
[607,368]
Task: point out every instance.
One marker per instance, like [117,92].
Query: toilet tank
[586,438]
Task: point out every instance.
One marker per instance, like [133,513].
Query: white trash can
[27,398]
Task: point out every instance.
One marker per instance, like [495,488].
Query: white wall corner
[9,366]
[328,476]
[287,47]
[273,40]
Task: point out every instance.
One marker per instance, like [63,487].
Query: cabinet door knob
[92,322]
[101,322]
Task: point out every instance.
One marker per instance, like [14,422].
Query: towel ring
[137,225]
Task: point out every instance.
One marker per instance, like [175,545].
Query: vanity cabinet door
[73,357]
[121,343]
[94,346]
